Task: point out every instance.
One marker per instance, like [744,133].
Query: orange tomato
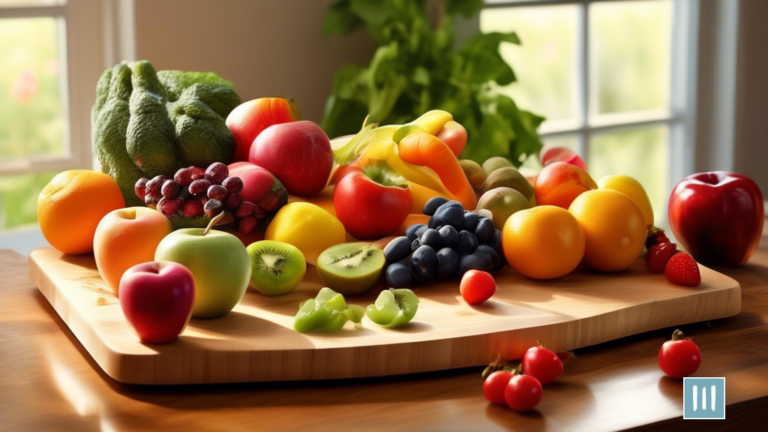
[543,242]
[614,228]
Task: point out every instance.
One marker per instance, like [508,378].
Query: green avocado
[147,123]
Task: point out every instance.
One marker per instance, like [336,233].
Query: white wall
[751,149]
[265,47]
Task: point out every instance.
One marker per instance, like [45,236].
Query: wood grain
[256,342]
[51,383]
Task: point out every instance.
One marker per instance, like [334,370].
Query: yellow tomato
[614,229]
[631,188]
[543,242]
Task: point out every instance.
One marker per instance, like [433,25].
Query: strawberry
[655,236]
[658,255]
[683,270]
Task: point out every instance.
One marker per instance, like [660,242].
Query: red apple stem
[678,335]
[212,223]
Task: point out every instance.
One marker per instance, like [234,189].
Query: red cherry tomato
[477,286]
[494,386]
[523,393]
[542,364]
[679,357]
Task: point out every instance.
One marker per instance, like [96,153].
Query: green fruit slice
[393,308]
[327,312]
[332,299]
[351,268]
[311,316]
[276,267]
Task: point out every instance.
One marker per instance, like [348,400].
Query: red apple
[717,216]
[157,298]
[299,154]
[373,202]
[250,118]
[551,155]
[257,181]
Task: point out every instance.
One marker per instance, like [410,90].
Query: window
[51,55]
[612,78]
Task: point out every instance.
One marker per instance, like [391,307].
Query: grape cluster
[453,242]
[196,191]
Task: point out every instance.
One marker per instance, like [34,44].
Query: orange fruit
[543,242]
[631,188]
[70,207]
[614,228]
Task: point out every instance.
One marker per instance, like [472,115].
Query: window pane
[630,45]
[18,198]
[31,113]
[641,153]
[545,63]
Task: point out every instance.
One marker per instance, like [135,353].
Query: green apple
[218,261]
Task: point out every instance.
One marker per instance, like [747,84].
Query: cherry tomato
[477,286]
[494,386]
[542,364]
[523,393]
[679,357]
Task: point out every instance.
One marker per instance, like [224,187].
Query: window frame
[680,116]
[82,54]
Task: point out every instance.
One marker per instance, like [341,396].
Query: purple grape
[233,184]
[198,187]
[216,173]
[213,207]
[232,201]
[170,189]
[217,192]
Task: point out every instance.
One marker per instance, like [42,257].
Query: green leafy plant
[416,68]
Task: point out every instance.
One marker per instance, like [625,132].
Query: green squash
[147,123]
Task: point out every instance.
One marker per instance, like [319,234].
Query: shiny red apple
[299,154]
[157,298]
[250,118]
[717,216]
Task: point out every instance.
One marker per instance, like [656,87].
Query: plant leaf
[339,20]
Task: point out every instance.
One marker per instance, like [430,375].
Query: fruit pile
[291,197]
[195,191]
[453,242]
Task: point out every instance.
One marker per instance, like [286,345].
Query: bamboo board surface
[256,342]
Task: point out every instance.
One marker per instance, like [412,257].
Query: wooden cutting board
[256,342]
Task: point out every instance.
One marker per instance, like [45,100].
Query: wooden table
[49,382]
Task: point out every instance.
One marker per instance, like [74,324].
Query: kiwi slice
[351,268]
[328,312]
[276,267]
[393,308]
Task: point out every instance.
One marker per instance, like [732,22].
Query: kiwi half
[276,267]
[351,268]
[393,308]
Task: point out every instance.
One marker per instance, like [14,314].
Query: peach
[560,154]
[127,237]
[559,183]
